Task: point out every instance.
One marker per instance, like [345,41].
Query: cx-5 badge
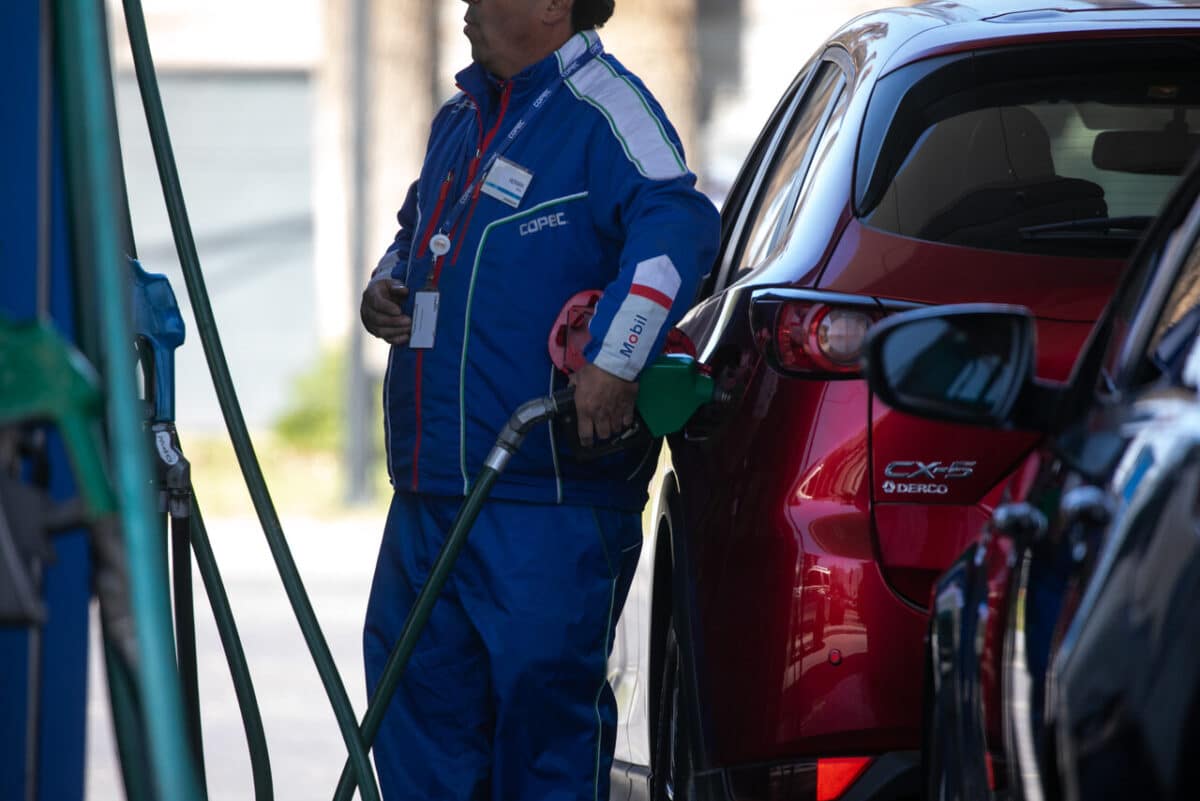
[937,471]
[932,470]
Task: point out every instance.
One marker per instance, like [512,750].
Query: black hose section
[185,642]
[523,420]
[128,726]
[235,656]
[418,616]
[227,396]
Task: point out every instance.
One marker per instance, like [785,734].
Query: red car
[772,645]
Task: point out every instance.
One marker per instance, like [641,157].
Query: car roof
[894,37]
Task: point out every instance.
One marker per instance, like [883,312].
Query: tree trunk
[657,40]
[399,108]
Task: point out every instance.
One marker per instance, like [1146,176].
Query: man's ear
[556,11]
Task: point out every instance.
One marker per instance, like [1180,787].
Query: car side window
[737,205]
[1176,329]
[1152,308]
[777,199]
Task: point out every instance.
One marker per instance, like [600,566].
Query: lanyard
[541,102]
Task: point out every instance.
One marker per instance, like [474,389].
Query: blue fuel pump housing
[43,670]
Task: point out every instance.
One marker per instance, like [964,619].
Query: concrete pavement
[336,559]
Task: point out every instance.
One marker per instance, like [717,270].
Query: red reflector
[835,775]
[991,770]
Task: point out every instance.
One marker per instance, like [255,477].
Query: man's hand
[381,313]
[604,403]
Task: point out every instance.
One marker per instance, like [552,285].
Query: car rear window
[1055,150]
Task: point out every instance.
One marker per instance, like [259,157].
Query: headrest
[1009,144]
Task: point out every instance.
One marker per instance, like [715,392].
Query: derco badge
[911,473]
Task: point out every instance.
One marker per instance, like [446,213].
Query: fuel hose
[185,640]
[153,710]
[243,684]
[523,420]
[227,397]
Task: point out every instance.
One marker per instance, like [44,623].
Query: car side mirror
[965,363]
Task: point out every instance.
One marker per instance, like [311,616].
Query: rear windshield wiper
[1130,227]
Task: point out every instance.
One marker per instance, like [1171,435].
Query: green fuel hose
[227,396]
[521,423]
[243,685]
[127,715]
[81,49]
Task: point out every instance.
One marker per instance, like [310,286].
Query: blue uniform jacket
[593,193]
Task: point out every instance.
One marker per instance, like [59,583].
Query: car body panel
[925,514]
[1137,617]
[744,537]
[871,262]
[997,33]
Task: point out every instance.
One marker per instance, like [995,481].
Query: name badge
[424,319]
[507,182]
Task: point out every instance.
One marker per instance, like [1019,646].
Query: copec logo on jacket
[539,224]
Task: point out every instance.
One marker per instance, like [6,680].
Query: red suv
[772,645]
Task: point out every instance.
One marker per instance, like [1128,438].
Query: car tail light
[808,780]
[813,334]
[817,336]
[835,775]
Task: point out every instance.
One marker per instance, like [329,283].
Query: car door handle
[1087,505]
[1086,512]
[1021,521]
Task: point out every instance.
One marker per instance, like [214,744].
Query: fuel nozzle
[672,390]
[159,328]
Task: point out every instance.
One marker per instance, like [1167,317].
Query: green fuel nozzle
[672,390]
[43,377]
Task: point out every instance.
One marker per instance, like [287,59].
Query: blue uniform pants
[506,696]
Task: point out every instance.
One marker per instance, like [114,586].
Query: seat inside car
[977,178]
[1010,183]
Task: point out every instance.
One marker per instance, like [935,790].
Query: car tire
[671,779]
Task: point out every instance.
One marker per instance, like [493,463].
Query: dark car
[772,644]
[1065,646]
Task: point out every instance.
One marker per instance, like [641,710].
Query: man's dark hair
[588,14]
